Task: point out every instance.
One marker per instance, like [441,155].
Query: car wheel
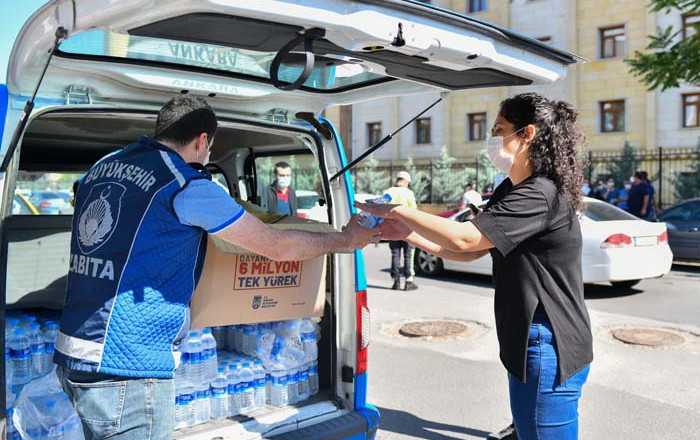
[625,284]
[427,263]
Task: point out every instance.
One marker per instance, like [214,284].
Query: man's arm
[290,244]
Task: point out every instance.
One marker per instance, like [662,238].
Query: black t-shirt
[635,201]
[536,261]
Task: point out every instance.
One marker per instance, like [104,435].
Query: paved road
[457,388]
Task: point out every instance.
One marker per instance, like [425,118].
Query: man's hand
[382,210]
[358,236]
[394,230]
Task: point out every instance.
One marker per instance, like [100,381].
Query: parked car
[49,202]
[618,248]
[683,223]
[119,64]
[22,206]
[309,206]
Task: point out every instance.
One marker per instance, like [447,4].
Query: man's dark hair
[183,119]
[282,164]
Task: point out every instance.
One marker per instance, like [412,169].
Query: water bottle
[313,378]
[219,333]
[21,357]
[187,406]
[248,389]
[50,334]
[219,396]
[238,339]
[202,403]
[230,331]
[193,372]
[278,385]
[12,433]
[370,220]
[260,386]
[209,359]
[264,344]
[234,390]
[308,340]
[38,349]
[249,339]
[293,383]
[303,384]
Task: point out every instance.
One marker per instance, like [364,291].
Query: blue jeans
[542,408]
[121,408]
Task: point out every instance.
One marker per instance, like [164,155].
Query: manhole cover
[432,328]
[647,337]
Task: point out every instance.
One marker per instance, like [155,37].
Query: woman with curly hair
[530,227]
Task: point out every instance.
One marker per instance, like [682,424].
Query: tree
[448,184]
[369,180]
[669,60]
[487,172]
[623,166]
[687,184]
[420,182]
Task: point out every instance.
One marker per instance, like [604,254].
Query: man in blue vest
[139,234]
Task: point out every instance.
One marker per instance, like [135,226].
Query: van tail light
[362,331]
[302,215]
[617,241]
[44,204]
[662,238]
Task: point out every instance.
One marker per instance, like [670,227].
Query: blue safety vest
[133,265]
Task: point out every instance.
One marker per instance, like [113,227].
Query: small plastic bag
[43,411]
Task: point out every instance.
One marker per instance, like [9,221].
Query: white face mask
[284,182]
[632,179]
[502,160]
[628,186]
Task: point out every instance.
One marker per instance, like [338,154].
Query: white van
[117,62]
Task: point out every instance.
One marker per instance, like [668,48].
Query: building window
[476,5]
[546,39]
[374,133]
[476,130]
[423,130]
[612,42]
[691,110]
[612,116]
[690,24]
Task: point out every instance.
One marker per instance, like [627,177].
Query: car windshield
[101,43]
[601,211]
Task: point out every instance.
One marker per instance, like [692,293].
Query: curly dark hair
[555,150]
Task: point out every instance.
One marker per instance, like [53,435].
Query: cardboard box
[238,287]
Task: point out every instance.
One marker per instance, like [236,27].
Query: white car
[309,206]
[618,248]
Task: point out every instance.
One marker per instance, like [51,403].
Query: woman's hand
[394,230]
[382,210]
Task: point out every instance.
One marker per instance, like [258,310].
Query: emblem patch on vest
[99,215]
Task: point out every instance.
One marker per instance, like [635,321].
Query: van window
[49,193]
[305,182]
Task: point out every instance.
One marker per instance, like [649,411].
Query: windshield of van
[101,43]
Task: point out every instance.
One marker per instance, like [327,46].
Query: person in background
[470,196]
[620,199]
[610,190]
[639,196]
[487,192]
[599,191]
[401,195]
[280,198]
[531,229]
[651,208]
[586,189]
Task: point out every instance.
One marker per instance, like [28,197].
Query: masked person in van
[139,238]
[280,197]
[530,227]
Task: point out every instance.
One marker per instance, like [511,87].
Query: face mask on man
[628,186]
[284,181]
[632,179]
[502,160]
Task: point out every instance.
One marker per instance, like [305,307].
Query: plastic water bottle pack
[370,220]
[236,370]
